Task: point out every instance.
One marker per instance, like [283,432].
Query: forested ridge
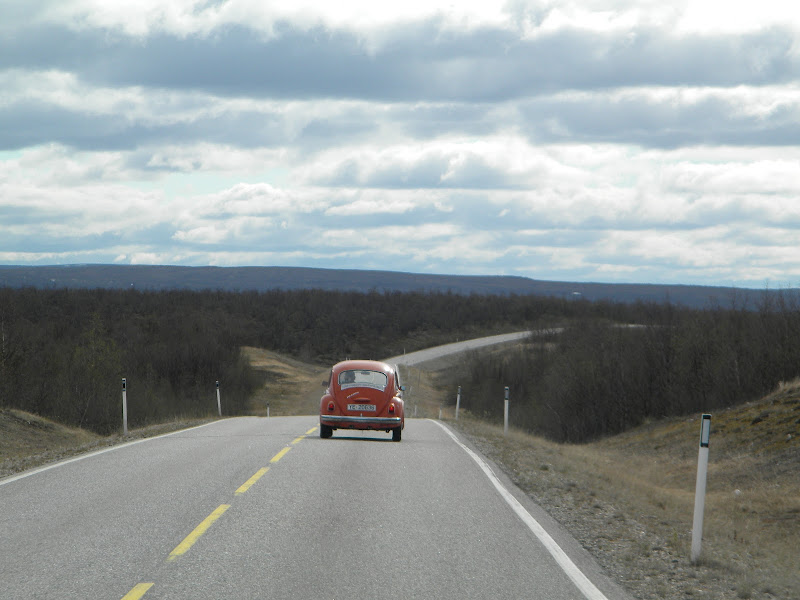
[63,352]
[601,376]
[262,279]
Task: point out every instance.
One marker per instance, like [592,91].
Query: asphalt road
[263,508]
[438,352]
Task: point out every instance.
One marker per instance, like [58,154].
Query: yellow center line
[280,454]
[190,539]
[247,484]
[139,590]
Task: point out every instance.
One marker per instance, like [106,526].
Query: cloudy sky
[598,140]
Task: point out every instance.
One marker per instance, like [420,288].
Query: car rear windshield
[371,379]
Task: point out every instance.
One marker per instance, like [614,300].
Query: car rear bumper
[345,422]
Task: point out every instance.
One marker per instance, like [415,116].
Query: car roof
[363,365]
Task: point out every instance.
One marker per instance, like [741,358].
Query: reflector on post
[124,406]
[705,431]
[700,487]
[505,412]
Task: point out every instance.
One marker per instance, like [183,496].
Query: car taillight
[391,408]
[331,406]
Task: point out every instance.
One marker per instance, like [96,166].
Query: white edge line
[587,588]
[61,463]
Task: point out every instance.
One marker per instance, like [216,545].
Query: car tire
[325,431]
[397,434]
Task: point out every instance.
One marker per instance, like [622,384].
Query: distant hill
[147,277]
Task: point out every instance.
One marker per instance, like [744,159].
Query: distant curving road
[437,352]
[254,508]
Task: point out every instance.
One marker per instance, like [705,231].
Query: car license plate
[361,407]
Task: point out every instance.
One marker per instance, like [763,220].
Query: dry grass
[291,387]
[28,441]
[423,397]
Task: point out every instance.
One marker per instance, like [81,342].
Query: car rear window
[371,379]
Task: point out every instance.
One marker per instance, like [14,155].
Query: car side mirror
[324,384]
[402,388]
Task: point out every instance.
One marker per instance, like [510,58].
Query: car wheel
[397,434]
[325,431]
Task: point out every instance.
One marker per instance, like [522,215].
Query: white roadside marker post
[458,401]
[219,404]
[505,413]
[124,407]
[700,487]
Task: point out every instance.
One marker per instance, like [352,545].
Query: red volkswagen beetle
[362,394]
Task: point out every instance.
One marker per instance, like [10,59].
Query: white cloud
[186,17]
[726,17]
[210,234]
[475,246]
[775,181]
[563,139]
[154,258]
[371,205]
